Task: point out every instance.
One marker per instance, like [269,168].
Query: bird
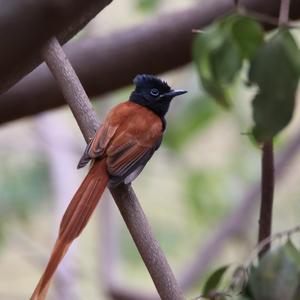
[130,134]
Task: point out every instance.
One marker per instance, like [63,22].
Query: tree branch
[124,196]
[26,25]
[284,12]
[267,191]
[232,225]
[267,183]
[71,88]
[156,46]
[123,293]
[148,247]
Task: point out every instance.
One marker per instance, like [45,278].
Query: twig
[268,240]
[237,5]
[124,196]
[270,20]
[71,88]
[117,292]
[265,219]
[284,12]
[267,191]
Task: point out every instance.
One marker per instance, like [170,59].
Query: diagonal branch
[124,196]
[228,228]
[71,88]
[30,24]
[284,14]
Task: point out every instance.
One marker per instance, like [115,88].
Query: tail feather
[57,255]
[73,222]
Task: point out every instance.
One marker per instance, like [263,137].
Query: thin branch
[237,5]
[267,192]
[267,188]
[149,248]
[233,224]
[270,20]
[124,196]
[71,88]
[284,12]
[279,235]
[124,293]
[97,60]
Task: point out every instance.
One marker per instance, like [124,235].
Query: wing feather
[96,147]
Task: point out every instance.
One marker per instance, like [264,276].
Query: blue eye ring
[154,92]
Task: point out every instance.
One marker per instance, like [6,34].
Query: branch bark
[147,245]
[71,88]
[156,46]
[267,191]
[26,25]
[267,186]
[284,12]
[231,226]
[124,196]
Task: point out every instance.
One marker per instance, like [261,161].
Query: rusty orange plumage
[120,149]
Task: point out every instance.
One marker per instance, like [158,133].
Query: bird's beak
[174,93]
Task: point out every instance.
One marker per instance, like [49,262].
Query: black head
[153,93]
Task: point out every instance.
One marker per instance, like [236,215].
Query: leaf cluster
[220,53]
[276,277]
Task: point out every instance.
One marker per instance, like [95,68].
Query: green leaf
[211,40]
[226,61]
[219,53]
[248,35]
[276,276]
[214,280]
[275,70]
[247,289]
[293,253]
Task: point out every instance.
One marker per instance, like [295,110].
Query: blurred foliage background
[201,172]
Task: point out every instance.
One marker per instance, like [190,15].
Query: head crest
[146,80]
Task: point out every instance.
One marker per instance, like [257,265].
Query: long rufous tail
[73,222]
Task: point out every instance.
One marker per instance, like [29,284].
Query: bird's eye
[154,92]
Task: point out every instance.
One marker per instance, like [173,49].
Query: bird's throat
[160,108]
